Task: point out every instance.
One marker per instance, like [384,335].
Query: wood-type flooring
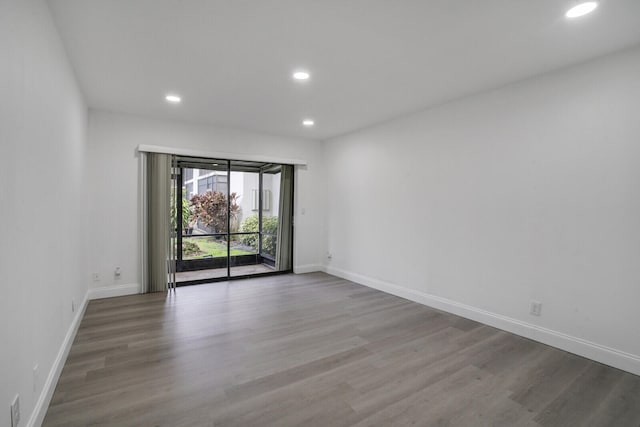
[317,350]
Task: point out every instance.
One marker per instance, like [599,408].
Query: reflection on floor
[217,273]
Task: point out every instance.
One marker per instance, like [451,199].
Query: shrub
[186,213]
[190,248]
[269,225]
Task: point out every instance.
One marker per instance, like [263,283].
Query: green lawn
[210,247]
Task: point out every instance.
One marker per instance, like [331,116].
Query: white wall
[114,199]
[528,192]
[42,152]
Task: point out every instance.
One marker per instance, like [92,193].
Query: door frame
[230,261]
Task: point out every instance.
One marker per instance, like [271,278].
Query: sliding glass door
[258,227]
[227,220]
[203,216]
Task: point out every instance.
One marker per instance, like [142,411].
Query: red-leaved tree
[211,209]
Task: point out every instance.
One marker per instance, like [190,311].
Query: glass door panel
[244,257]
[244,234]
[203,237]
[269,213]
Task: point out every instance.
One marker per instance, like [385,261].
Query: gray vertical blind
[285,218]
[160,258]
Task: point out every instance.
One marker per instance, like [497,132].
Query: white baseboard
[40,410]
[114,291]
[600,353]
[307,268]
[42,404]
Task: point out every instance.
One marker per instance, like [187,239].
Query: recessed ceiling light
[308,122]
[301,75]
[174,99]
[581,9]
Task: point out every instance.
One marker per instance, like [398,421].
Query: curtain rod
[144,148]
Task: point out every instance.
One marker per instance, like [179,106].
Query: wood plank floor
[316,350]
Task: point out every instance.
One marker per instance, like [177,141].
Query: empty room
[320,213]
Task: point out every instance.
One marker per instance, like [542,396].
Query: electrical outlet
[117,273]
[535,308]
[15,411]
[96,277]
[329,256]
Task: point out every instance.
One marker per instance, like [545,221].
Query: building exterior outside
[244,184]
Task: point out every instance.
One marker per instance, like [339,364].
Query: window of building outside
[206,181]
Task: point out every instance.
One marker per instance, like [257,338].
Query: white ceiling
[371,60]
